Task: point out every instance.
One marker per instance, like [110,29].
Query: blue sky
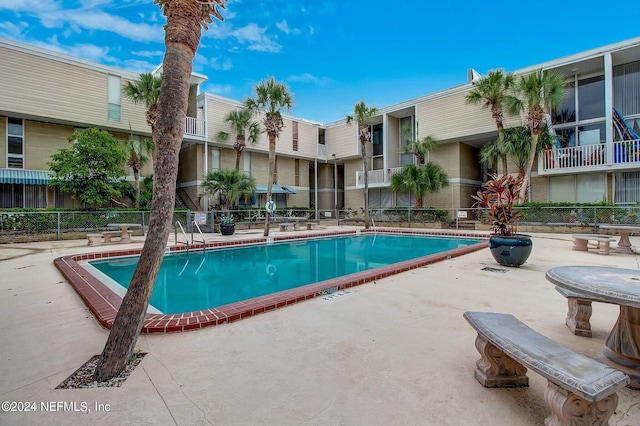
[332,54]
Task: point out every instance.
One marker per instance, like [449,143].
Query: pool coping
[104,302]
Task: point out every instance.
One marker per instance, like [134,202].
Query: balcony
[618,156]
[194,127]
[377,178]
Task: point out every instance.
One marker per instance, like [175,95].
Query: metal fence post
[59,230]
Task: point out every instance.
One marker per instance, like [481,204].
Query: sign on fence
[200,218]
[462,214]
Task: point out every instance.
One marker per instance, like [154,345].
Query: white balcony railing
[380,177]
[322,152]
[624,154]
[194,127]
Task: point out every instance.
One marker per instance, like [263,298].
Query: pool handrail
[194,224]
[175,229]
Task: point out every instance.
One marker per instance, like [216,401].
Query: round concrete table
[624,245]
[619,286]
[124,228]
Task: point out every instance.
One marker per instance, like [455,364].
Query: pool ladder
[194,225]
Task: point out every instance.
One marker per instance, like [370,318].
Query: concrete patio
[393,352]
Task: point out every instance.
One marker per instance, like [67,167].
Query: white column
[608,105]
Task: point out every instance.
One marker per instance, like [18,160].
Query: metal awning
[26,177]
[275,189]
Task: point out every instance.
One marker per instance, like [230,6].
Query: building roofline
[65,58]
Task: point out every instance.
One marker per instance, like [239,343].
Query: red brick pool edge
[104,303]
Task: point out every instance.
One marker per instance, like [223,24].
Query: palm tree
[419,180]
[536,94]
[491,153]
[270,98]
[185,18]
[136,159]
[362,115]
[229,186]
[241,121]
[145,90]
[492,91]
[420,148]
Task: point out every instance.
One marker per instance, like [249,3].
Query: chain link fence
[19,226]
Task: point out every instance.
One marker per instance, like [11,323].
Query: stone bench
[580,390]
[94,240]
[110,234]
[579,311]
[581,242]
[284,226]
[311,225]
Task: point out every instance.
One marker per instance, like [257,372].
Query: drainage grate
[497,270]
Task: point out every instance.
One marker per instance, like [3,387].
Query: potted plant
[497,200]
[228,186]
[227,224]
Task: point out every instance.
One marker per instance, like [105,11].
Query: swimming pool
[103,301]
[200,280]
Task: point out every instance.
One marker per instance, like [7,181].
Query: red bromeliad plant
[497,199]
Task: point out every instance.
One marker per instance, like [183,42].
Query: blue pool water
[195,281]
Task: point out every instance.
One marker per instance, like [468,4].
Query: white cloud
[148,53]
[221,64]
[308,78]
[256,38]
[311,30]
[11,30]
[218,89]
[284,27]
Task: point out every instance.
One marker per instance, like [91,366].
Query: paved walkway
[395,352]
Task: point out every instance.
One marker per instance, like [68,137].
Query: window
[114,91]
[295,135]
[15,143]
[591,98]
[296,166]
[377,139]
[626,88]
[406,135]
[16,195]
[587,188]
[627,188]
[566,112]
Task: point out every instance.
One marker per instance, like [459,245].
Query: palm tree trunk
[272,170]
[503,157]
[181,40]
[527,175]
[239,147]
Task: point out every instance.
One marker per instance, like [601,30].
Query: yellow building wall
[25,92]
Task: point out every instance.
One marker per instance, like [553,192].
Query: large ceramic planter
[227,228]
[511,250]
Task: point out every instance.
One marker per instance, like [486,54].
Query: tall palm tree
[536,94]
[145,90]
[185,18]
[420,148]
[270,98]
[362,115]
[241,121]
[491,91]
[418,180]
[229,186]
[137,159]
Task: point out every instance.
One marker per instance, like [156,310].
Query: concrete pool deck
[394,351]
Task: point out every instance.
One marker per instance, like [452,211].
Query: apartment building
[45,96]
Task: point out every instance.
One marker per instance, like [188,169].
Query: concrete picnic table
[618,286]
[124,227]
[624,245]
